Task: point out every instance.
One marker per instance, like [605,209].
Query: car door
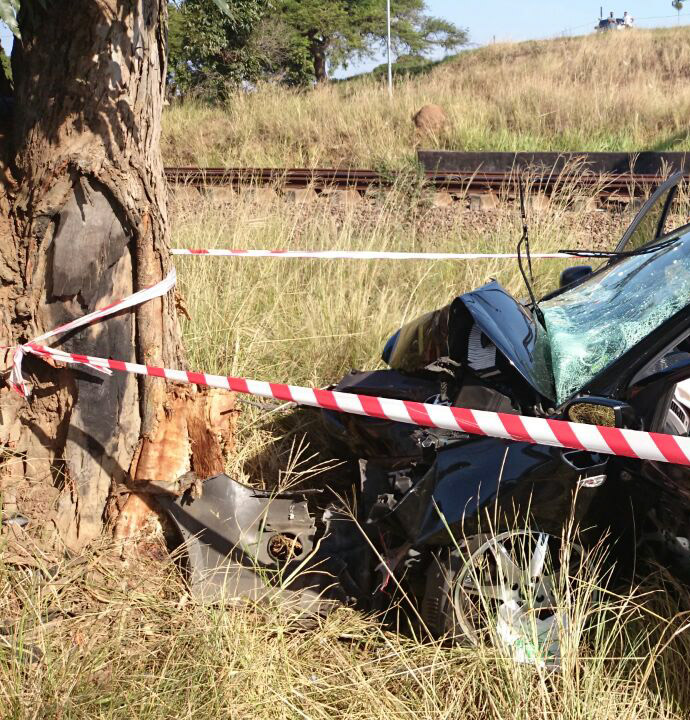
[662,489]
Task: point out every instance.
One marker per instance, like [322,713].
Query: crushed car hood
[515,333]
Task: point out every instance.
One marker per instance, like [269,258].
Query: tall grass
[268,315]
[114,634]
[614,91]
[309,322]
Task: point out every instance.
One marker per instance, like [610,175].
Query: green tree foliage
[211,50]
[5,74]
[215,45]
[332,33]
[10,8]
[291,41]
[208,40]
[405,66]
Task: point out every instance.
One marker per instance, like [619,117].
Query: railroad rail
[646,162]
[320,179]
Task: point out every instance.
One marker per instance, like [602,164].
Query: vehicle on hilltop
[627,22]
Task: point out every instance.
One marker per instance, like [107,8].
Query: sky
[507,20]
[531,19]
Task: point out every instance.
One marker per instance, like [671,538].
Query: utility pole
[388,47]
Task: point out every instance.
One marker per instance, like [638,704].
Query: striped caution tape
[540,431]
[16,379]
[358,254]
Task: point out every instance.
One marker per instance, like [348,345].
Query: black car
[468,528]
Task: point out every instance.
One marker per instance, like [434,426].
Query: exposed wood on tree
[88,225]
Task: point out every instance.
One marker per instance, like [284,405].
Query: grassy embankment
[120,638]
[620,91]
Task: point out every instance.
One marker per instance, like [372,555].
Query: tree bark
[86,224]
[318,48]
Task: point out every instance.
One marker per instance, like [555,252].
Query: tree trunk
[318,49]
[86,224]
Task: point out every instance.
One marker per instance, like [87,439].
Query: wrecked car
[468,528]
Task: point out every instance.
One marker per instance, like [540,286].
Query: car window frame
[674,180]
[672,184]
[656,424]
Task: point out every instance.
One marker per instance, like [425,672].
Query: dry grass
[114,635]
[616,91]
[308,322]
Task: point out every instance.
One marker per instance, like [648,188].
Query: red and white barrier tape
[16,379]
[541,431]
[358,254]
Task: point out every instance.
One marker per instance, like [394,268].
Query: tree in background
[290,41]
[211,51]
[5,75]
[334,32]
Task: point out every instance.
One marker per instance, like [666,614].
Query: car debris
[468,528]
[13,518]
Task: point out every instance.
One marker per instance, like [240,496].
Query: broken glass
[593,324]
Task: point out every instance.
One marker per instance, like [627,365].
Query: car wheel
[499,589]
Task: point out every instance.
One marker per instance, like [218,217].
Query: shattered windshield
[592,325]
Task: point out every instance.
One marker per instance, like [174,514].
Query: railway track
[454,182]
